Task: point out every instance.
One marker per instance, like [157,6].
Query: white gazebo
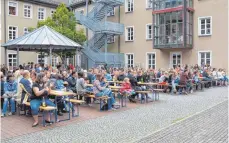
[43,39]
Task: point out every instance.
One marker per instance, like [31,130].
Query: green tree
[64,22]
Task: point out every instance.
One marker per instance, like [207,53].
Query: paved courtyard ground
[140,123]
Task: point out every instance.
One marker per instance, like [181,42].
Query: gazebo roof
[42,38]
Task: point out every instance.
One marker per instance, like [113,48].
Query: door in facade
[175,59]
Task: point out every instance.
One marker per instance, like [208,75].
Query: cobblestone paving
[210,126]
[130,125]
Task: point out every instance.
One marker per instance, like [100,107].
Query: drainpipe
[185,23]
[119,38]
[5,31]
[87,33]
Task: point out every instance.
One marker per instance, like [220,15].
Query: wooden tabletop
[114,81]
[89,85]
[61,93]
[148,83]
[115,87]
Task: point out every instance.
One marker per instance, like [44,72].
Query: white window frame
[199,57]
[8,65]
[39,11]
[126,58]
[68,59]
[16,8]
[54,58]
[52,11]
[147,60]
[147,31]
[9,32]
[147,4]
[199,25]
[126,6]
[31,10]
[45,59]
[111,13]
[171,58]
[126,33]
[25,31]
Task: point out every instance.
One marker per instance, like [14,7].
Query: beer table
[57,93]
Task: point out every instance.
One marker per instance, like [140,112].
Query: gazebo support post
[77,60]
[50,56]
[17,56]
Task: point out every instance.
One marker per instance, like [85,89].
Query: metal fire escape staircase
[96,22]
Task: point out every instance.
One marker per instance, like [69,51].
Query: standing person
[40,91]
[2,88]
[10,92]
[184,80]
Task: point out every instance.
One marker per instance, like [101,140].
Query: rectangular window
[204,58]
[54,61]
[151,60]
[41,59]
[12,61]
[130,60]
[205,26]
[13,8]
[149,4]
[110,39]
[112,12]
[129,33]
[149,33]
[41,13]
[28,11]
[26,30]
[129,5]
[12,31]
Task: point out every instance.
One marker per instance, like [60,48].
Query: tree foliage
[64,22]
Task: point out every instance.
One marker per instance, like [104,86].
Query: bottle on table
[43,102]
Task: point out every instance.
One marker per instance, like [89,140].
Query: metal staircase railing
[101,29]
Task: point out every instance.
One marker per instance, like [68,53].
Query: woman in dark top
[39,90]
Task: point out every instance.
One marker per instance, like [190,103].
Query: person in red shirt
[71,66]
[126,87]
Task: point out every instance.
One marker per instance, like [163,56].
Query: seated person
[39,92]
[103,91]
[10,92]
[206,77]
[197,80]
[59,85]
[126,87]
[81,87]
[72,81]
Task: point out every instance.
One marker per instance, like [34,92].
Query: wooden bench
[101,99]
[144,93]
[43,109]
[156,93]
[77,103]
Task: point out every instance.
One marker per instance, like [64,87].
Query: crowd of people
[37,80]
